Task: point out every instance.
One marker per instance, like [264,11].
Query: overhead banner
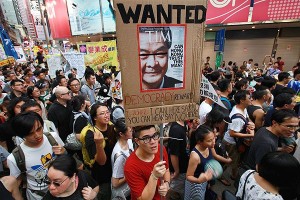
[103,54]
[7,44]
[7,61]
[227,11]
[219,40]
[160,49]
[109,21]
[84,16]
[58,19]
[270,10]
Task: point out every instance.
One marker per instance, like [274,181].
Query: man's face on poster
[153,58]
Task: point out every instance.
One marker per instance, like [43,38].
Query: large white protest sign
[207,90]
[76,60]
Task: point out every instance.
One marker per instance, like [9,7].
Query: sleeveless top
[251,109]
[200,167]
[5,194]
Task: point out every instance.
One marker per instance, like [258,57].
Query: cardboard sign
[160,50]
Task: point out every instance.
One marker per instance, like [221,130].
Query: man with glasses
[60,112]
[284,123]
[146,175]
[17,87]
[155,43]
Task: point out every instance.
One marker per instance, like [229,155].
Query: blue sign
[220,40]
[7,44]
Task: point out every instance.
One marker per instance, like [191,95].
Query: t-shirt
[236,125]
[295,85]
[37,161]
[178,147]
[3,156]
[118,164]
[264,142]
[204,109]
[101,173]
[90,92]
[253,190]
[137,173]
[84,180]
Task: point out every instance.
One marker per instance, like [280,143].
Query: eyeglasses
[290,127]
[75,85]
[104,113]
[147,138]
[69,92]
[19,84]
[56,184]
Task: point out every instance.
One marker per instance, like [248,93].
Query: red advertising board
[269,10]
[58,18]
[227,11]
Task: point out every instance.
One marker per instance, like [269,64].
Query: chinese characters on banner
[160,50]
[102,54]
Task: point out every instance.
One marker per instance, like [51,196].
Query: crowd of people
[65,138]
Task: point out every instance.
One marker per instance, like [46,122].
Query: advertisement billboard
[58,19]
[84,16]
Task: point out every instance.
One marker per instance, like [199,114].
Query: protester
[66,182]
[146,175]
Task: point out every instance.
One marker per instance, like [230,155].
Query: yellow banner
[7,61]
[102,54]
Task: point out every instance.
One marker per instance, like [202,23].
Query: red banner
[58,18]
[269,10]
[227,11]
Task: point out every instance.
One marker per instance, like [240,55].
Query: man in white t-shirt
[238,128]
[38,153]
[206,106]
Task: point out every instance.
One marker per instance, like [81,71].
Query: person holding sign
[146,175]
[154,44]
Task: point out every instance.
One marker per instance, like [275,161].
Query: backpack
[112,111]
[240,142]
[227,101]
[20,157]
[72,142]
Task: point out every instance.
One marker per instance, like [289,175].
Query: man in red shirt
[146,175]
[280,63]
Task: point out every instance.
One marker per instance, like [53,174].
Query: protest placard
[160,50]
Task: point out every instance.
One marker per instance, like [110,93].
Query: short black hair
[30,104]
[268,82]
[260,92]
[224,84]
[214,76]
[59,78]
[284,98]
[77,102]
[241,83]
[240,95]
[120,126]
[66,164]
[283,75]
[23,123]
[88,75]
[139,129]
[280,116]
[201,133]
[271,167]
[13,82]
